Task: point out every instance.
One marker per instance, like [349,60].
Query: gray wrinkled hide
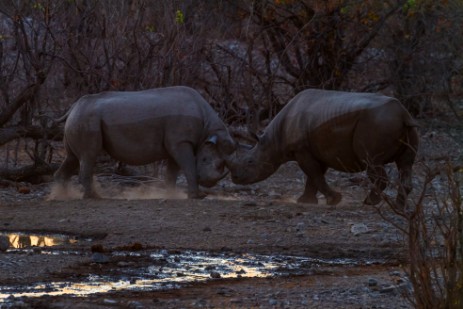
[349,132]
[141,127]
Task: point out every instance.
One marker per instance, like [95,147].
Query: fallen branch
[27,172]
[36,132]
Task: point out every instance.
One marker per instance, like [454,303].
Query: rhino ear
[212,140]
[255,136]
[245,146]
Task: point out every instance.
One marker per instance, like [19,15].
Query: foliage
[434,230]
[248,58]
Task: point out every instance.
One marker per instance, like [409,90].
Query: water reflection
[24,240]
[171,270]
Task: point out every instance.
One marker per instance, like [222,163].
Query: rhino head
[250,164]
[210,159]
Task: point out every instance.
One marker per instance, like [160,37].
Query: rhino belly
[332,144]
[134,145]
[149,140]
[350,144]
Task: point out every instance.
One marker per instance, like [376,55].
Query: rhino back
[326,124]
[311,109]
[136,127]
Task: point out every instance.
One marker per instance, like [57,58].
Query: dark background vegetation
[248,58]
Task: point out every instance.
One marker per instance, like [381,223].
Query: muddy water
[161,269]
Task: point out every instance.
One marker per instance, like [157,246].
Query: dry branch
[26,173]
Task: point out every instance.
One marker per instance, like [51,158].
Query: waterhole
[153,270]
[163,270]
[23,240]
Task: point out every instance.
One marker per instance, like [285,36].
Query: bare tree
[433,226]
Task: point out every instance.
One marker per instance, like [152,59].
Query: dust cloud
[64,193]
[114,191]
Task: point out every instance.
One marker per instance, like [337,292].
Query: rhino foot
[92,195]
[197,195]
[307,200]
[334,199]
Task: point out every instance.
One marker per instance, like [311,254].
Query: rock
[24,190]
[108,301]
[200,303]
[272,302]
[358,229]
[4,243]
[215,275]
[100,258]
[372,282]
[274,195]
[135,304]
[387,289]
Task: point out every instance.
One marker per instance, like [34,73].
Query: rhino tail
[65,116]
[410,122]
[62,118]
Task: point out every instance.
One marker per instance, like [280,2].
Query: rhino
[140,127]
[345,131]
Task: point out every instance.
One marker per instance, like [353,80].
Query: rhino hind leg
[404,165]
[86,178]
[316,182]
[378,177]
[67,169]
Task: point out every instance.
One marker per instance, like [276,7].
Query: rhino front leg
[184,157]
[172,170]
[315,172]
[310,192]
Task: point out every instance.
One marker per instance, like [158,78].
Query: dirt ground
[234,220]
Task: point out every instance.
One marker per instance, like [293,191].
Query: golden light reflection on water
[180,268]
[167,271]
[21,241]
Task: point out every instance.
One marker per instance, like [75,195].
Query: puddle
[22,240]
[163,270]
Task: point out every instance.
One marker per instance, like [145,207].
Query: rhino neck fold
[271,151]
[274,144]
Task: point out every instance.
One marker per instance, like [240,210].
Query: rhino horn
[212,139]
